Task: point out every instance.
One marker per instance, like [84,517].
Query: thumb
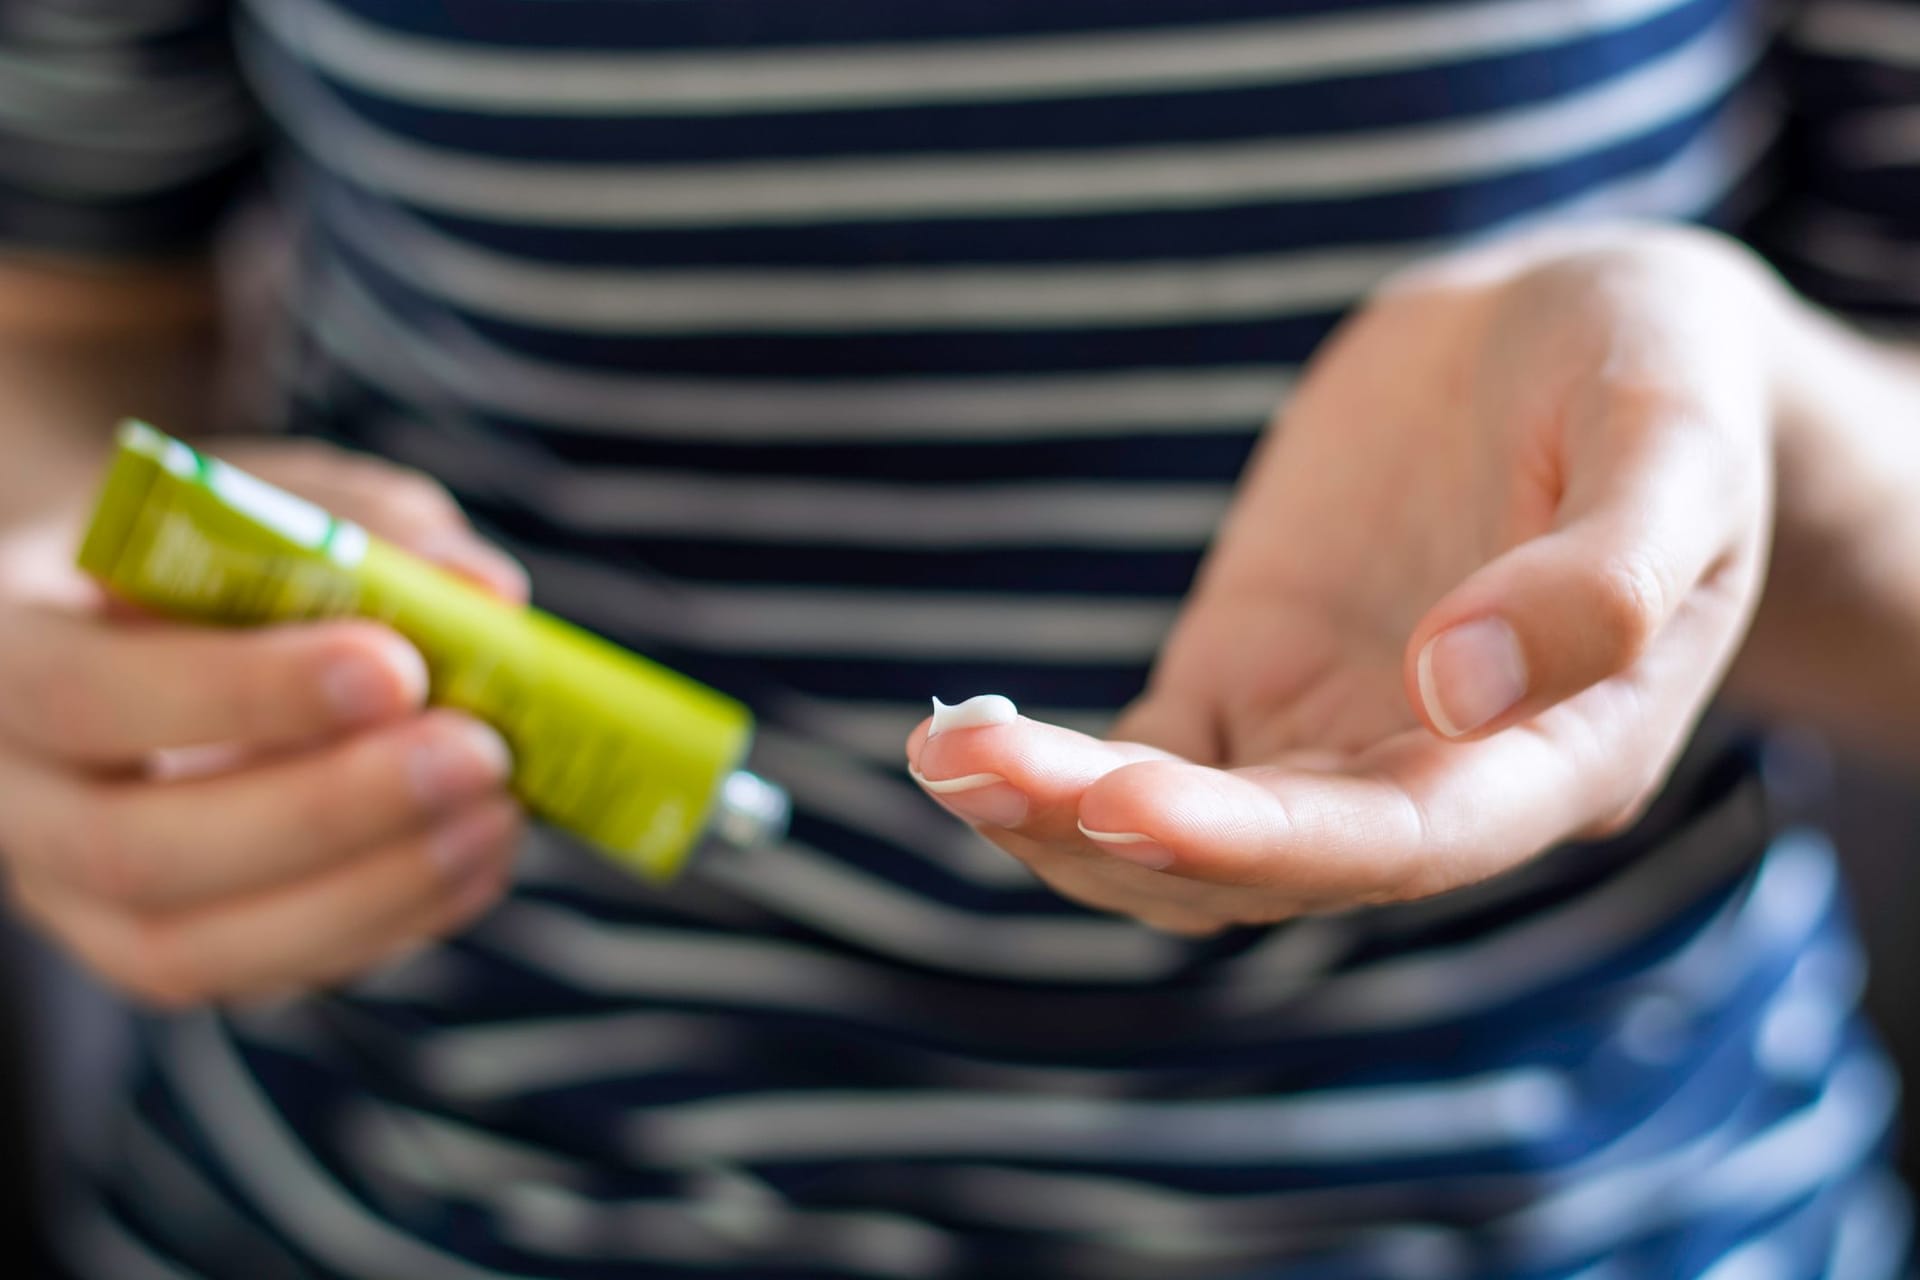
[404,506]
[1583,601]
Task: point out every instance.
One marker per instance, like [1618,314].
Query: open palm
[1477,586]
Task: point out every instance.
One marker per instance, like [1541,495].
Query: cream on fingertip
[976,712]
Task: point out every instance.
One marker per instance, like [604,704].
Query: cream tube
[631,757]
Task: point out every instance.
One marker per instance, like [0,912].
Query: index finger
[96,692]
[1020,774]
[1412,818]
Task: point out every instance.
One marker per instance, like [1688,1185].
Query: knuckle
[1423,862]
[1628,598]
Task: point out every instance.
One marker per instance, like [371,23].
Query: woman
[840,355]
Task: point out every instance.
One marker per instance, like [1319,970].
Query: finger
[390,500]
[1019,784]
[167,845]
[1021,776]
[464,554]
[1414,818]
[319,930]
[100,693]
[406,507]
[1168,903]
[474,852]
[1645,519]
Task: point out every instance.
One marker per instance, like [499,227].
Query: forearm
[1836,641]
[83,347]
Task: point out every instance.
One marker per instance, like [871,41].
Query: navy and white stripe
[1843,227]
[844,354]
[123,127]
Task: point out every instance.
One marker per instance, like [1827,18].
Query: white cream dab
[975,713]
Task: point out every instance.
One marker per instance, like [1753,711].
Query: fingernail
[361,686]
[461,759]
[462,846]
[985,799]
[1470,674]
[974,713]
[1130,846]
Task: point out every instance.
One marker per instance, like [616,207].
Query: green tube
[631,757]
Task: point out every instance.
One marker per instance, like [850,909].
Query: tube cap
[751,811]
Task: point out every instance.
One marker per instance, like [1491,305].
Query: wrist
[1837,637]
[1847,454]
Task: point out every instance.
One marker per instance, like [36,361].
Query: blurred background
[1875,819]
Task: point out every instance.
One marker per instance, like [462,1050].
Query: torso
[841,354]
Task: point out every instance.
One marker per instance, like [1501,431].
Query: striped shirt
[842,354]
